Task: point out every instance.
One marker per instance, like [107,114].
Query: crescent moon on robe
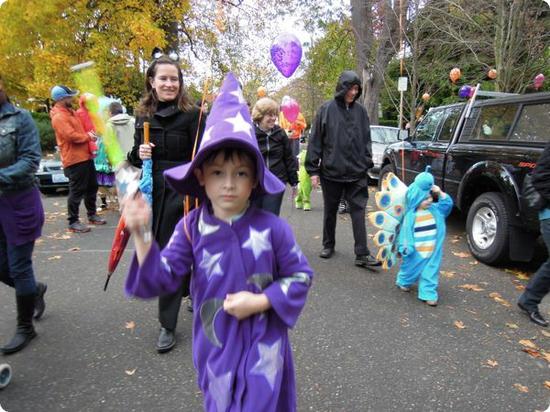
[260,280]
[296,277]
[209,309]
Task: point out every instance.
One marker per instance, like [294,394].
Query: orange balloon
[426,97]
[492,74]
[455,74]
[262,92]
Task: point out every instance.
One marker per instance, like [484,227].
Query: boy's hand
[136,213]
[315,181]
[244,304]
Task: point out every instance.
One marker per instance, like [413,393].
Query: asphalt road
[360,345]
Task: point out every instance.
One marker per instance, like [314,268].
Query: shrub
[47,135]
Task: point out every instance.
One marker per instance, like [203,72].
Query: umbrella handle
[107,281]
[146,132]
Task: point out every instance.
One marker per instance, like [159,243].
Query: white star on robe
[296,277]
[270,362]
[240,124]
[172,238]
[218,387]
[258,242]
[204,228]
[297,251]
[211,264]
[165,263]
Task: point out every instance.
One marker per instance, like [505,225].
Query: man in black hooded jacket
[338,156]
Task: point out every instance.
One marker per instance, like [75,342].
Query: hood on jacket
[120,119]
[346,80]
[419,189]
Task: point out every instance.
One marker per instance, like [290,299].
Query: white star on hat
[207,135]
[240,124]
[239,96]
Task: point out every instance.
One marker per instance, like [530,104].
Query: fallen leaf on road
[38,241]
[56,203]
[547,334]
[131,372]
[56,257]
[512,325]
[498,298]
[472,287]
[518,273]
[520,287]
[533,352]
[455,240]
[474,262]
[317,237]
[74,249]
[527,343]
[447,274]
[462,254]
[131,325]
[521,388]
[459,324]
[547,384]
[492,363]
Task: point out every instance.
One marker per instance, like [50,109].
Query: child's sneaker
[431,302]
[298,205]
[404,288]
[307,207]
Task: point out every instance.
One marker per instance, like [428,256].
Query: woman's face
[268,121]
[166,82]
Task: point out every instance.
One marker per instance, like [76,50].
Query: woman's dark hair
[148,104]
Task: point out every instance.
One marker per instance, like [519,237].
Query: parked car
[479,153]
[50,176]
[381,137]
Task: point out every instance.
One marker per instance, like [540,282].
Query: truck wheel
[487,228]
[383,172]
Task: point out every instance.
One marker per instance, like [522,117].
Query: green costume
[304,186]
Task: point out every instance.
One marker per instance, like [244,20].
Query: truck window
[426,130]
[494,122]
[533,124]
[452,114]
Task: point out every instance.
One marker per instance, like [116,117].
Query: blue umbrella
[146,182]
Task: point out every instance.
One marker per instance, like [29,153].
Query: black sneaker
[366,261]
[534,315]
[78,227]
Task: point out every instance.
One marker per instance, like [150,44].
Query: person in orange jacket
[294,131]
[77,161]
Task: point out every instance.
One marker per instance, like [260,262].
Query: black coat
[277,154]
[541,174]
[173,133]
[339,147]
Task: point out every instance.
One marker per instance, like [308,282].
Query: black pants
[356,193]
[271,203]
[82,184]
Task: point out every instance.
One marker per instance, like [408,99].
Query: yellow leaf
[131,372]
[317,237]
[447,274]
[474,262]
[497,298]
[512,325]
[462,254]
[131,325]
[518,273]
[547,384]
[547,334]
[492,363]
[459,324]
[521,388]
[472,287]
[527,343]
[56,257]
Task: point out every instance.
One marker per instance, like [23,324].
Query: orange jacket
[70,136]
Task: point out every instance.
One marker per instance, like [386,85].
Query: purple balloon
[286,53]
[464,92]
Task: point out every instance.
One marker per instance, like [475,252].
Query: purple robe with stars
[242,365]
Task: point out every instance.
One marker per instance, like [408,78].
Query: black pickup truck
[479,153]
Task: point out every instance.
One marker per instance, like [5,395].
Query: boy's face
[228,184]
[426,203]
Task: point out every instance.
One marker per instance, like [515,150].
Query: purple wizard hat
[228,125]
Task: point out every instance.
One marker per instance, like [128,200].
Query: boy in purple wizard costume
[250,279]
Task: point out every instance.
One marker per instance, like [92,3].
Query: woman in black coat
[175,124]
[276,151]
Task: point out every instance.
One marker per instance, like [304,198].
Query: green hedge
[387,122]
[47,135]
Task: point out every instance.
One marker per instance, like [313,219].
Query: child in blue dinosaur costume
[421,237]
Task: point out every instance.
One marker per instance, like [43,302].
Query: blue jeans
[539,285]
[271,203]
[16,266]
